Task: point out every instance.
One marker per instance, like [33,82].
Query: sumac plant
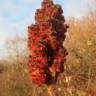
[45,44]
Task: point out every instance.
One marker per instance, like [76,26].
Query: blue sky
[16,15]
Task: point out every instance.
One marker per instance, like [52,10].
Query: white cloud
[3,34]
[78,8]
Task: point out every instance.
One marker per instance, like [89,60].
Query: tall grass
[79,76]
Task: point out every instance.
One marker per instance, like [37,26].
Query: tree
[45,44]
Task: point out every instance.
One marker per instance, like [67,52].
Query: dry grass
[80,68]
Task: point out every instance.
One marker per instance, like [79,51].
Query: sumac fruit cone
[45,44]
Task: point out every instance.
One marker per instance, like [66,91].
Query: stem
[49,90]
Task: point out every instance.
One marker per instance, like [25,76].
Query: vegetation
[79,77]
[45,44]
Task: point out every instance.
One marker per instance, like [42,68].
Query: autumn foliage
[45,43]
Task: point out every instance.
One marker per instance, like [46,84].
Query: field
[79,77]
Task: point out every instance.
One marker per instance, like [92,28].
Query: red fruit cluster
[45,43]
